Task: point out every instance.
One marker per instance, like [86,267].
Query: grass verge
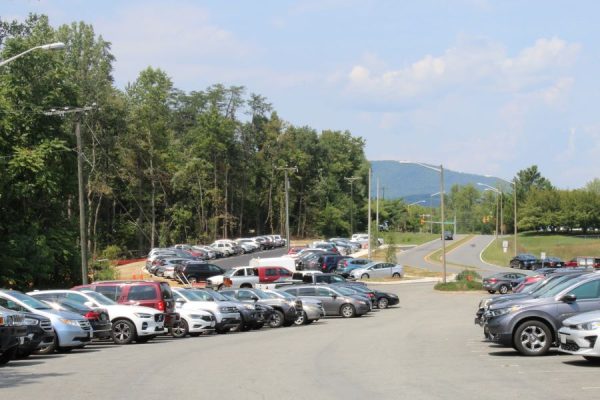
[564,246]
[467,280]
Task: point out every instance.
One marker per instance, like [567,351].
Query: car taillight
[324,266]
[493,280]
[345,263]
[161,305]
[371,294]
[227,282]
[92,315]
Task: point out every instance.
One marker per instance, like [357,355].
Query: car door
[325,295]
[587,299]
[246,296]
[377,271]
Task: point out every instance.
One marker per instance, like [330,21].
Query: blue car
[350,264]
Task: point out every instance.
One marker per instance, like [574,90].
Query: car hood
[582,318]
[54,314]
[523,302]
[507,297]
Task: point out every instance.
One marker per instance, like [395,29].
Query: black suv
[197,272]
[39,334]
[285,312]
[12,334]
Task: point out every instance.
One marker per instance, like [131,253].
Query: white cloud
[475,65]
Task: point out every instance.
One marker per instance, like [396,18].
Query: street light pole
[369,217]
[51,46]
[377,210]
[351,179]
[80,184]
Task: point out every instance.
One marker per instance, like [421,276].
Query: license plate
[22,340]
[563,339]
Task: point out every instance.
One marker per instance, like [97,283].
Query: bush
[457,286]
[103,271]
[111,253]
[468,275]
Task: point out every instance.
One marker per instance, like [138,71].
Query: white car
[575,335]
[225,248]
[226,314]
[194,323]
[129,323]
[378,270]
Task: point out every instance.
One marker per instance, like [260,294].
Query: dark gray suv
[530,325]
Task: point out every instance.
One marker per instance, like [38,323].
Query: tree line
[162,165]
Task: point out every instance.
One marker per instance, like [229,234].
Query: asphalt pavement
[427,348]
[244,259]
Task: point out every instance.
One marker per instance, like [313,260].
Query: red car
[530,280]
[139,293]
[271,274]
[584,262]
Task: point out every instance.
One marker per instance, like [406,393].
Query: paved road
[415,257]
[426,349]
[244,259]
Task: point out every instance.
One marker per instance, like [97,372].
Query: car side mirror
[334,296]
[569,298]
[255,298]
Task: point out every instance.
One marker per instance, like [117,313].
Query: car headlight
[249,307]
[362,302]
[196,316]
[71,322]
[503,311]
[589,326]
[142,315]
[31,321]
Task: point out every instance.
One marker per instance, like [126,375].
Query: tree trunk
[95,242]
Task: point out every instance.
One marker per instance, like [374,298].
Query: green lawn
[402,238]
[564,246]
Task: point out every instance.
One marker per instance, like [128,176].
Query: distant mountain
[415,183]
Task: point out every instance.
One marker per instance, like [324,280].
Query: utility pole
[377,210]
[351,179]
[369,216]
[80,183]
[287,203]
[443,226]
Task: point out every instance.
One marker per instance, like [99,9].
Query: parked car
[196,272]
[579,334]
[523,261]
[336,300]
[312,309]
[226,314]
[381,300]
[166,267]
[129,322]
[98,317]
[378,270]
[329,262]
[582,261]
[296,249]
[548,262]
[502,282]
[39,334]
[210,253]
[71,330]
[151,294]
[237,272]
[531,325]
[12,334]
[254,316]
[348,265]
[285,312]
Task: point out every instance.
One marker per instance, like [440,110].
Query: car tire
[491,291]
[8,355]
[258,326]
[301,320]
[383,303]
[180,329]
[396,275]
[532,338]
[347,311]
[364,276]
[123,332]
[48,349]
[521,265]
[503,289]
[276,320]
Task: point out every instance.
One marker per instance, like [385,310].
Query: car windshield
[273,295]
[284,294]
[100,298]
[229,297]
[261,294]
[30,301]
[216,295]
[553,290]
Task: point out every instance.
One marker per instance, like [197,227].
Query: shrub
[111,253]
[457,286]
[468,275]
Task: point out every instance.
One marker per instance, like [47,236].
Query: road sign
[543,255]
[505,246]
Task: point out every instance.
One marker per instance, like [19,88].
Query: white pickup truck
[243,277]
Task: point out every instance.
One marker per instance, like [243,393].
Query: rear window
[112,292]
[141,292]
[165,291]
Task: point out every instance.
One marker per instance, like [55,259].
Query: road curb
[481,255]
[422,280]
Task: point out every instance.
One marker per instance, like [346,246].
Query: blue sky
[481,86]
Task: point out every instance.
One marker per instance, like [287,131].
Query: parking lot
[427,348]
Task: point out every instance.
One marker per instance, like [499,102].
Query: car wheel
[491,291]
[396,275]
[592,359]
[364,276]
[123,332]
[276,320]
[49,349]
[180,329]
[301,320]
[532,338]
[8,355]
[382,303]
[503,289]
[347,311]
